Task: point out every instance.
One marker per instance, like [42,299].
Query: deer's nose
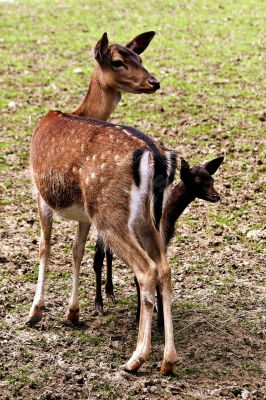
[154,82]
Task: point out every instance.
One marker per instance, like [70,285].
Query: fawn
[196,182]
[119,68]
[116,178]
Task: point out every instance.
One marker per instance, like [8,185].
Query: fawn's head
[121,66]
[199,181]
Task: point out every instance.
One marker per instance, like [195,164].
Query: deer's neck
[177,202]
[100,100]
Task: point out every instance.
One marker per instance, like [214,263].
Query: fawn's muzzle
[154,83]
[215,197]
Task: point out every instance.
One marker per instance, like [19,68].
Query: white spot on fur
[87,181]
[74,169]
[87,158]
[103,165]
[126,132]
[94,157]
[117,158]
[93,175]
[111,136]
[101,179]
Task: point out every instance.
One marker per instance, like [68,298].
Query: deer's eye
[117,63]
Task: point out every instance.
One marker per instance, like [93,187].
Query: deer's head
[121,66]
[199,181]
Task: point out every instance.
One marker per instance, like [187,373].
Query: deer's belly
[75,212]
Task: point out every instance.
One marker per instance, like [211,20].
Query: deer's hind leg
[46,220]
[78,252]
[145,269]
[165,289]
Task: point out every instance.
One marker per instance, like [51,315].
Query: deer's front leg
[46,220]
[78,251]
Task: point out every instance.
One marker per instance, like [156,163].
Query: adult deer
[116,178]
[119,68]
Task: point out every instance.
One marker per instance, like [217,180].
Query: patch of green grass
[208,57]
[253,367]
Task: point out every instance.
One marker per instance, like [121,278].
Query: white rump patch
[138,194]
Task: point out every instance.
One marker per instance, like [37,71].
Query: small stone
[78,71]
[257,234]
[216,392]
[245,394]
[12,104]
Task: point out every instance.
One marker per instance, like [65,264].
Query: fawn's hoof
[98,310]
[110,296]
[167,368]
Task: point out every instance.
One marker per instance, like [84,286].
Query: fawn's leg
[97,266]
[160,318]
[78,252]
[46,220]
[109,288]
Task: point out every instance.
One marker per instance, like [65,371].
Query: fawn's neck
[100,100]
[177,202]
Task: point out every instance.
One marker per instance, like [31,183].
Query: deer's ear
[185,173]
[213,165]
[101,48]
[140,42]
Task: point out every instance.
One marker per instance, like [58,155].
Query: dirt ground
[211,104]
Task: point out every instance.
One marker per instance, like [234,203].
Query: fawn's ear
[140,42]
[213,165]
[101,47]
[185,173]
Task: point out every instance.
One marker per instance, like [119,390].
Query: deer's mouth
[214,198]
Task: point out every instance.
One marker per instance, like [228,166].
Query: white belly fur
[75,213]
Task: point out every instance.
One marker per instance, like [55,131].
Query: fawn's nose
[215,197]
[154,83]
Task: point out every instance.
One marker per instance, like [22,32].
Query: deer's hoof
[132,366]
[35,315]
[33,320]
[73,316]
[167,368]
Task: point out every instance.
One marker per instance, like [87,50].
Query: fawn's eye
[117,63]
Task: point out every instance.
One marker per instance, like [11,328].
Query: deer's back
[75,159]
